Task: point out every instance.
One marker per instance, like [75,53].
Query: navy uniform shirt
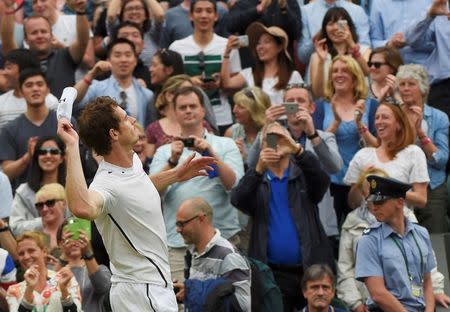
[377,254]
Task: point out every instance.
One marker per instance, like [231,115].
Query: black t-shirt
[59,69]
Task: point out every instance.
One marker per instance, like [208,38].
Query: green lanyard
[403,252]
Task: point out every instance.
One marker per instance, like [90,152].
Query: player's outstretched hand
[194,167]
[66,132]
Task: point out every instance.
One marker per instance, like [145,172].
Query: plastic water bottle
[66,103]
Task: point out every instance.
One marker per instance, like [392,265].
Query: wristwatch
[88,256]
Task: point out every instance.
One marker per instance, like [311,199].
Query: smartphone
[290,108]
[207,79]
[243,41]
[342,24]
[74,225]
[188,142]
[271,140]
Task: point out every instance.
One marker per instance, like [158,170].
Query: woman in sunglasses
[337,37]
[52,207]
[47,166]
[383,64]
[42,289]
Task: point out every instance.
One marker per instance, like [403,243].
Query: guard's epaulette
[367,231]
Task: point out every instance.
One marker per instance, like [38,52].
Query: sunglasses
[299,85]
[49,150]
[49,203]
[249,93]
[181,224]
[377,65]
[123,96]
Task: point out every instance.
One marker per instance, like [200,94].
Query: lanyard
[403,252]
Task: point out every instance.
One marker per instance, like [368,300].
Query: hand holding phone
[188,142]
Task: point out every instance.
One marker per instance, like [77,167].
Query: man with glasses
[132,97]
[203,53]
[209,257]
[394,257]
[19,136]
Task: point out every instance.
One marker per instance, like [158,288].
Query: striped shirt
[220,259]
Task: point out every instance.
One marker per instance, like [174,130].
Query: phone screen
[271,140]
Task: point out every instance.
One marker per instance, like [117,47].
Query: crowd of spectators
[297,101]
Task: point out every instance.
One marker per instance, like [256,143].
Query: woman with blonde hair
[165,129]
[52,208]
[42,289]
[249,110]
[346,112]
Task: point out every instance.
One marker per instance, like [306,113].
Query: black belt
[286,268]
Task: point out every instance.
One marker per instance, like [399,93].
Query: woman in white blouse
[274,68]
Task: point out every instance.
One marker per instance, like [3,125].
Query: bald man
[213,258]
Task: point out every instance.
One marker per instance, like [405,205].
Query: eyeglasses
[49,150]
[123,97]
[298,85]
[181,224]
[377,65]
[49,203]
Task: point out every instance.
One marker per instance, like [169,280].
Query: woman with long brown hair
[274,68]
[396,154]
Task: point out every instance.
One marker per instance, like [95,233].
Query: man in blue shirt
[394,257]
[134,98]
[389,19]
[312,16]
[432,34]
[281,194]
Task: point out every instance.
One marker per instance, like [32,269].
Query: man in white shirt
[202,54]
[125,204]
[12,102]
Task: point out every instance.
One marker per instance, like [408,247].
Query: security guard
[394,257]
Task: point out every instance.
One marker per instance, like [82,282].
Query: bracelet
[4,229]
[87,81]
[362,130]
[425,141]
[172,163]
[313,136]
[226,56]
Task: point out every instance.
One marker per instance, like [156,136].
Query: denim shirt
[433,34]
[438,124]
[110,87]
[388,17]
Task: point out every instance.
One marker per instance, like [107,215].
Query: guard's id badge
[416,290]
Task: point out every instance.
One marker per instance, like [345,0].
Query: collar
[386,229]
[271,176]
[208,247]
[336,3]
[116,83]
[427,111]
[330,309]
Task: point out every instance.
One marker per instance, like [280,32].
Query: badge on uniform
[366,231]
[416,290]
